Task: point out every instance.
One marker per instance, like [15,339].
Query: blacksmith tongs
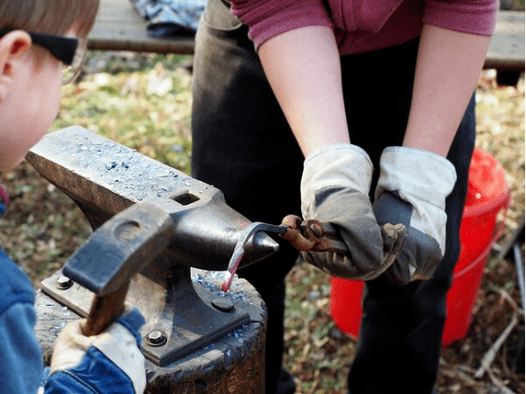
[306,235]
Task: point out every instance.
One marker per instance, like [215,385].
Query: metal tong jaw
[312,235]
[239,249]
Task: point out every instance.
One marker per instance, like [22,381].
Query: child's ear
[12,46]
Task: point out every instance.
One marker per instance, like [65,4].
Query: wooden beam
[506,50]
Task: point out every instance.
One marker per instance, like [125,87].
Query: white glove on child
[94,364]
[412,190]
[334,189]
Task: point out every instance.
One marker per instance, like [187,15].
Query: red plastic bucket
[488,194]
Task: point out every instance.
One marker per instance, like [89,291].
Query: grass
[146,109]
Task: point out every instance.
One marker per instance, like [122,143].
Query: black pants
[243,145]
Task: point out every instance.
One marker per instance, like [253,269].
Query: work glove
[412,190]
[110,362]
[334,191]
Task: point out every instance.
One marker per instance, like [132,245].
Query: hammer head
[120,248]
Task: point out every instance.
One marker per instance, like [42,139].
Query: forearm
[303,68]
[448,67]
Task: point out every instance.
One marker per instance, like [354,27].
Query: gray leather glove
[412,190]
[334,190]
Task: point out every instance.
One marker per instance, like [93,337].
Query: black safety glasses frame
[63,48]
[71,51]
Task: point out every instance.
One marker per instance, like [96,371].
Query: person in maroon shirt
[360,114]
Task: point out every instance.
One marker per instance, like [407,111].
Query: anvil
[104,178]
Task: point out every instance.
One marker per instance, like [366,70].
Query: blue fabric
[95,374]
[2,208]
[20,357]
[170,17]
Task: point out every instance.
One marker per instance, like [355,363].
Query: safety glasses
[71,51]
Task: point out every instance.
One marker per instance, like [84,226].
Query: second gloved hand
[412,190]
[335,190]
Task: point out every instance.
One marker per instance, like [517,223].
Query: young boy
[38,47]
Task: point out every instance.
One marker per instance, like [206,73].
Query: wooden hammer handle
[104,311]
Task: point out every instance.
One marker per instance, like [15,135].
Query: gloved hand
[334,189]
[110,362]
[412,190]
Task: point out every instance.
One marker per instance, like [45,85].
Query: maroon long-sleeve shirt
[365,25]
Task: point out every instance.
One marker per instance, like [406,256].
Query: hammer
[117,250]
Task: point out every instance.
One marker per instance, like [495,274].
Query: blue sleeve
[20,356]
[94,375]
[21,361]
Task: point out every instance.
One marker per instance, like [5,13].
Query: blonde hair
[49,16]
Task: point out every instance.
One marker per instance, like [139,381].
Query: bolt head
[156,338]
[223,304]
[64,283]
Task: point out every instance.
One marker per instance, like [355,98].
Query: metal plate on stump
[180,320]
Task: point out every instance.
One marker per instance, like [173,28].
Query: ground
[144,102]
